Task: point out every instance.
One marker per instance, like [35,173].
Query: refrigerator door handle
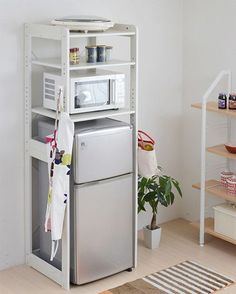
[102,181]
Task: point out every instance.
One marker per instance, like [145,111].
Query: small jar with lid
[74,56]
[109,53]
[232,101]
[101,53]
[91,53]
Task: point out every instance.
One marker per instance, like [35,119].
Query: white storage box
[225,220]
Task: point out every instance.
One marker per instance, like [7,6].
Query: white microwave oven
[89,91]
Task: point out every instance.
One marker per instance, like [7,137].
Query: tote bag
[147,162]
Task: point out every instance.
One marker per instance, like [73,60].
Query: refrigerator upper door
[101,154]
[104,228]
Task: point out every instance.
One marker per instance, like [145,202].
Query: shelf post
[229,118]
[203,173]
[28,159]
[133,121]
[203,149]
[65,73]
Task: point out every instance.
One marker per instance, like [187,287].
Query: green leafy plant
[155,190]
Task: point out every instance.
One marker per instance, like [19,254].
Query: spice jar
[222,101]
[74,56]
[108,53]
[232,101]
[101,53]
[91,54]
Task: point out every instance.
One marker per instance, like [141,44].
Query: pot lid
[83,18]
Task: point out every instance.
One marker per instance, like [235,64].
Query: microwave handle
[112,91]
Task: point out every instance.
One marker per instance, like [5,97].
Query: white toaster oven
[89,91]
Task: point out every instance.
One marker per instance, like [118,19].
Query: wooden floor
[179,243]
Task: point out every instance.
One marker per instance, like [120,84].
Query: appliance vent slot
[50,97]
[49,89]
[49,86]
[50,81]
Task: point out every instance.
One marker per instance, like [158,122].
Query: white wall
[209,46]
[160,84]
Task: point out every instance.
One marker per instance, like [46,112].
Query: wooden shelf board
[56,63]
[221,151]
[84,116]
[212,106]
[209,229]
[215,188]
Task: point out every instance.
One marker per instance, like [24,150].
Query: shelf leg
[203,173]
[133,121]
[28,159]
[65,47]
[228,118]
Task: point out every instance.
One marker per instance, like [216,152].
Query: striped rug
[184,278]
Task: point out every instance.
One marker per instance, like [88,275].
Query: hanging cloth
[59,163]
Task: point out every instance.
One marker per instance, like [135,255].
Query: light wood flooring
[179,242]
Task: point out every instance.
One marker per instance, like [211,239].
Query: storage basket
[225,220]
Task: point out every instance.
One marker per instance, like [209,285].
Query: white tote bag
[147,162]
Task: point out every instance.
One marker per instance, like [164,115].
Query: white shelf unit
[213,186]
[36,149]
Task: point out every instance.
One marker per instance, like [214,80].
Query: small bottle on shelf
[74,56]
[222,101]
[232,101]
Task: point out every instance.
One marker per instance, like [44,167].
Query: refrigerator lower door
[104,229]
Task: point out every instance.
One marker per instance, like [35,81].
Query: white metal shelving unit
[36,149]
[213,186]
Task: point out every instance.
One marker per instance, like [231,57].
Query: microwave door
[92,94]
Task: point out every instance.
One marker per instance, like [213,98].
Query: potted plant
[155,190]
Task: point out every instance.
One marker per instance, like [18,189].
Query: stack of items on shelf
[94,53]
[228,180]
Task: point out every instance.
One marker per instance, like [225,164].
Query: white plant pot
[152,237]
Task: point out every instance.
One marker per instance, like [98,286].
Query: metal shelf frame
[209,106]
[36,149]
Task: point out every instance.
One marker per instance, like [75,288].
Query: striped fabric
[188,278]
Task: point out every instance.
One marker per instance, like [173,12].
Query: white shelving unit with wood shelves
[212,186]
[35,149]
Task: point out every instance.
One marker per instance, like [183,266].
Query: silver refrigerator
[102,200]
